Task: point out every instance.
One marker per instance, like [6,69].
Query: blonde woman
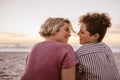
[52,59]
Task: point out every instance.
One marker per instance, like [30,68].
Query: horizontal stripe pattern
[97,62]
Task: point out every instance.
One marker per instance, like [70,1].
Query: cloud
[118,26]
[115,32]
[18,38]
[115,29]
[7,34]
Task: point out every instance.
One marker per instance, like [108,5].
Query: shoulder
[63,46]
[92,48]
[54,44]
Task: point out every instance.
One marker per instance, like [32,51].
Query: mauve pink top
[47,59]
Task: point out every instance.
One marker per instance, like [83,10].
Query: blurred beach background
[20,22]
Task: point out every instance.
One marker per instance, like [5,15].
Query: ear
[96,36]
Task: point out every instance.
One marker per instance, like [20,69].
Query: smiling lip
[66,37]
[80,39]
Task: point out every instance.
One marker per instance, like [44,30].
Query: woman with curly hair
[96,61]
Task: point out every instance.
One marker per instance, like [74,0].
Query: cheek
[81,35]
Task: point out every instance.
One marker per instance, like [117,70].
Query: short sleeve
[68,57]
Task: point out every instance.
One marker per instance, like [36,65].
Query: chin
[65,41]
[82,43]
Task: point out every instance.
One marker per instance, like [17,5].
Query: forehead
[83,27]
[65,25]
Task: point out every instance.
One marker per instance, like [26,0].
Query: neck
[50,39]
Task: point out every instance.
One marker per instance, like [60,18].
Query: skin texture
[68,74]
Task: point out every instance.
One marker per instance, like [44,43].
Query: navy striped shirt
[96,62]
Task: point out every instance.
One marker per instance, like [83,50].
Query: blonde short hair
[52,25]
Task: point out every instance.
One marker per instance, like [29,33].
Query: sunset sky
[20,20]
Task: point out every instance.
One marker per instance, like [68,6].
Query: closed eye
[81,32]
[67,30]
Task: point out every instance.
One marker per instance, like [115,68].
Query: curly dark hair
[96,23]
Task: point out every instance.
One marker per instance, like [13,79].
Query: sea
[16,47]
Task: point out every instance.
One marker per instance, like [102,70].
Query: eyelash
[67,30]
[81,32]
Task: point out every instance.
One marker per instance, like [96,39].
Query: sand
[12,64]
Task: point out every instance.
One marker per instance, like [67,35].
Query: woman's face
[63,34]
[85,36]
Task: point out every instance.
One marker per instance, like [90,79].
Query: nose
[69,34]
